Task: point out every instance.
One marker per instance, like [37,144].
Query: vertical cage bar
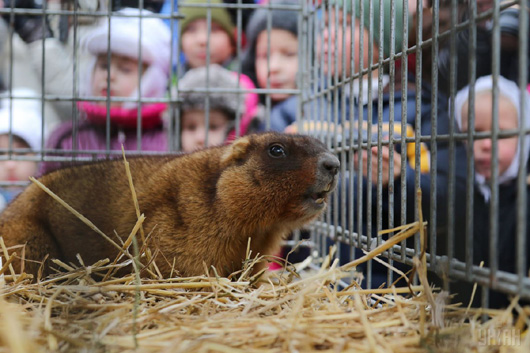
[521,242]
[494,203]
[417,123]
[470,182]
[434,130]
[390,188]
[404,71]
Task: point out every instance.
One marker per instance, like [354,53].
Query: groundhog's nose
[329,163]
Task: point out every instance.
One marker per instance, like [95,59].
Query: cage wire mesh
[377,81]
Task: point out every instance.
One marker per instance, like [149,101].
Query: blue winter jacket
[394,205]
[283,114]
[434,147]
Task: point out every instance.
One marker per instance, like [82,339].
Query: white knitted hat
[509,90]
[125,39]
[26,117]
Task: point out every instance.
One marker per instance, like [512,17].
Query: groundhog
[200,207]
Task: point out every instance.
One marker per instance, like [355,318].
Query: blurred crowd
[194,73]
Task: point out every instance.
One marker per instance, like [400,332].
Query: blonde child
[508,162]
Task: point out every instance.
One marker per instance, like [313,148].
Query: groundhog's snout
[328,163]
[326,178]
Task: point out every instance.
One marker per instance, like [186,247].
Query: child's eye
[216,127]
[126,68]
[102,65]
[192,27]
[216,27]
[189,127]
[125,71]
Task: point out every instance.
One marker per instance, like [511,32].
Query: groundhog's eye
[277,151]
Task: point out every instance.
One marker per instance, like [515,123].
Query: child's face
[507,147]
[194,129]
[194,44]
[123,78]
[282,65]
[331,44]
[15,170]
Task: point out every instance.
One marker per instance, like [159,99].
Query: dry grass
[72,312]
[89,309]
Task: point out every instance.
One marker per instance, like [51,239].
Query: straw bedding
[85,308]
[74,311]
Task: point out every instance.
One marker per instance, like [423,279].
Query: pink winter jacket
[251,108]
[91,133]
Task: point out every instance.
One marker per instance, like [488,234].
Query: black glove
[29,27]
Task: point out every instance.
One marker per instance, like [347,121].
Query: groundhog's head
[277,178]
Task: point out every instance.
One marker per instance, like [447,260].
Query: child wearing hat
[508,160]
[271,59]
[364,104]
[139,68]
[20,129]
[194,42]
[198,131]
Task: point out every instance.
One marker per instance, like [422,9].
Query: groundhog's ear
[236,151]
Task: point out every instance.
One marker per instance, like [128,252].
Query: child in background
[223,108]
[275,67]
[510,118]
[388,199]
[124,81]
[25,128]
[194,35]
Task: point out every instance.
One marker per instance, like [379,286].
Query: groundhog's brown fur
[201,207]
